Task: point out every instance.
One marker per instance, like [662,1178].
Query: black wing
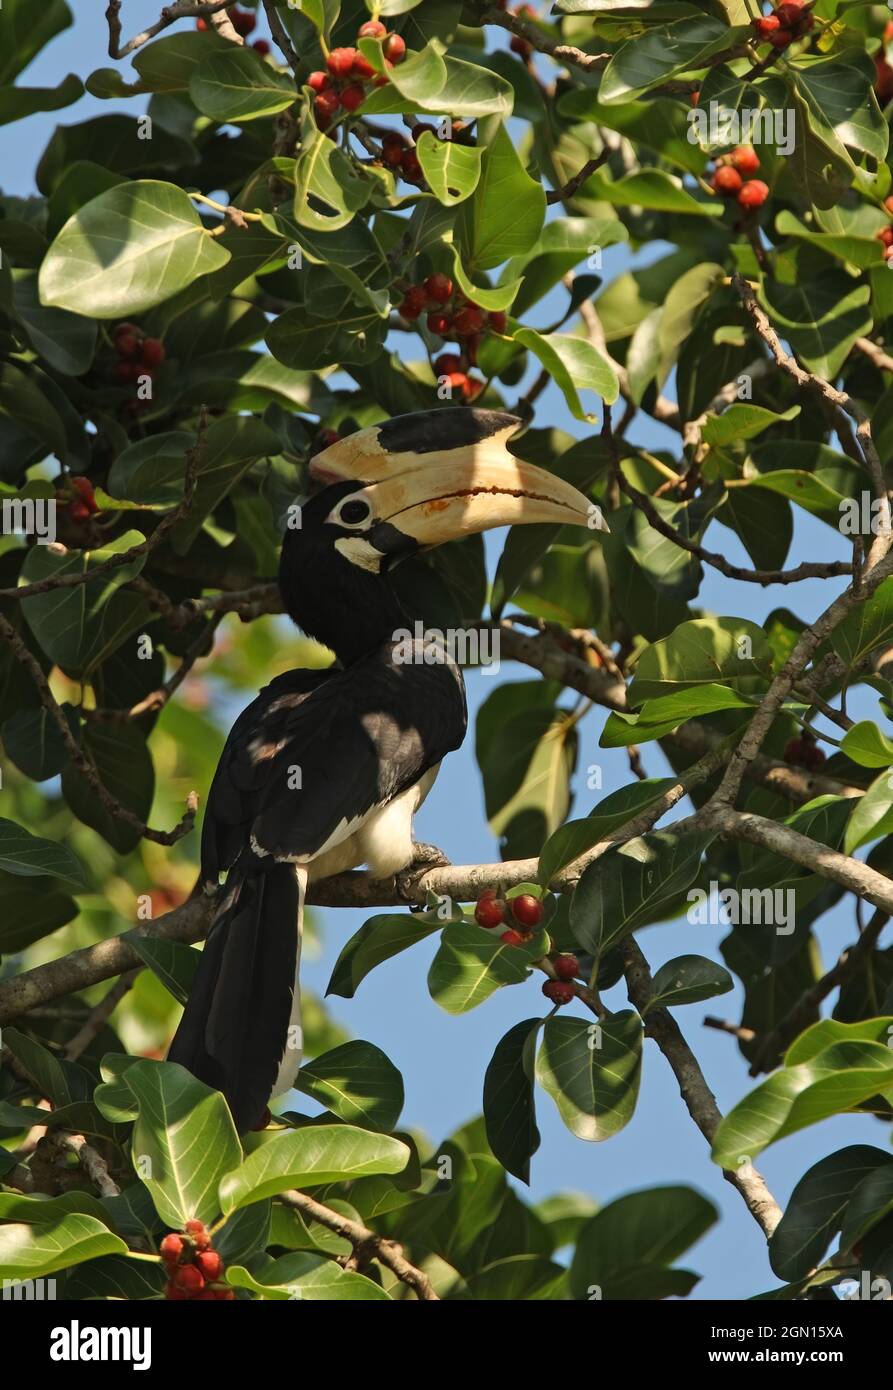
[316,751]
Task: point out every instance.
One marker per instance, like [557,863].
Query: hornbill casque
[325,768]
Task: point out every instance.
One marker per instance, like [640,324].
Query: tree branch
[169,15]
[367,1245]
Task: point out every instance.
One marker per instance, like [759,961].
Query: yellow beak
[458,479]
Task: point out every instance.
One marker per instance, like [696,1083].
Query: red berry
[498,321]
[224,1295]
[201,23]
[566,967]
[559,991]
[521,46]
[78,511]
[489,909]
[459,383]
[885,235]
[468,321]
[781,39]
[745,159]
[190,1279]
[171,1248]
[438,287]
[446,363]
[413,303]
[439,324]
[527,910]
[210,1264]
[325,106]
[410,166]
[888,204]
[340,61]
[153,353]
[727,180]
[789,15]
[127,344]
[127,371]
[318,81]
[175,1294]
[512,938]
[394,48]
[362,67]
[262,47]
[372,29]
[753,194]
[793,751]
[766,25]
[473,388]
[242,21]
[84,488]
[694,98]
[888,253]
[352,97]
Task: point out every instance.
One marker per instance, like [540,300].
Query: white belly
[382,840]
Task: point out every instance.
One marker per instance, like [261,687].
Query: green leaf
[66,341]
[869,1202]
[688,980]
[486,298]
[592,1071]
[167,64]
[867,745]
[831,1081]
[742,421]
[24,31]
[173,962]
[866,627]
[26,854]
[650,59]
[16,103]
[471,964]
[358,1083]
[666,712]
[574,365]
[683,305]
[705,651]
[578,836]
[33,741]
[509,1109]
[236,85]
[31,916]
[128,250]
[818,1206]
[451,170]
[325,176]
[526,769]
[308,1278]
[872,814]
[125,768]
[311,1157]
[562,245]
[431,81]
[632,886]
[821,319]
[184,1141]
[381,938]
[654,189]
[505,216]
[39,1236]
[639,1235]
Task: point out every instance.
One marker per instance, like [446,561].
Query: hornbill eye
[352,513]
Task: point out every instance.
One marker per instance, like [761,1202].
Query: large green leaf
[124,764]
[577,836]
[471,964]
[623,1250]
[866,627]
[652,58]
[18,102]
[30,916]
[309,1278]
[688,980]
[451,170]
[237,85]
[39,1235]
[381,938]
[28,855]
[592,1071]
[818,1207]
[872,814]
[509,1109]
[868,745]
[311,1157]
[574,365]
[358,1083]
[184,1141]
[24,31]
[505,215]
[633,885]
[128,250]
[701,652]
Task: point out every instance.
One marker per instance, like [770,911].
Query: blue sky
[443,1059]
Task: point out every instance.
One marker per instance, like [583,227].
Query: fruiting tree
[302,219]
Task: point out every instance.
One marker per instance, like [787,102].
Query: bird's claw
[424,857]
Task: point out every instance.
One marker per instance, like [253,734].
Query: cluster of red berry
[450,314]
[885,235]
[733,177]
[344,84]
[787,22]
[561,990]
[525,911]
[193,1267]
[137,355]
[244,22]
[451,367]
[804,751]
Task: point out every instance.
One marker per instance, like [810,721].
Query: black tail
[235,1026]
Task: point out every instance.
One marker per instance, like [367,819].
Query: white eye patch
[354,512]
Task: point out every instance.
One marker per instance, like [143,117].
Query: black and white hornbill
[324,770]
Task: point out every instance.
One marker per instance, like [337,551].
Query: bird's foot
[424,857]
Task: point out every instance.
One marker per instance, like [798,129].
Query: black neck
[353,611]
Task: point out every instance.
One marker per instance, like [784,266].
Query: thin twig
[367,1244]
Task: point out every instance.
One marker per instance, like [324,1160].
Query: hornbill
[325,768]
